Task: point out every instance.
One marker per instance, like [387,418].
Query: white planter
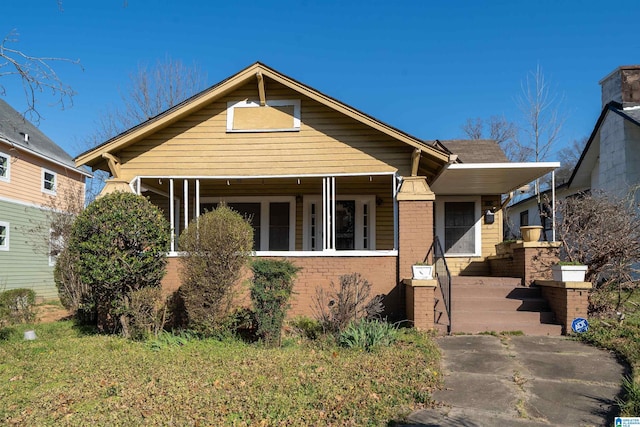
[569,273]
[422,272]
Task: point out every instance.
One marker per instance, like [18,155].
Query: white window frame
[5,246]
[295,103]
[264,216]
[7,175]
[440,202]
[360,200]
[55,182]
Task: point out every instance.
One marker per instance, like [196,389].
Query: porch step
[496,304]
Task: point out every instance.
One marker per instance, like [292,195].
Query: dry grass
[68,377]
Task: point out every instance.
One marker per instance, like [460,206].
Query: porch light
[489,217]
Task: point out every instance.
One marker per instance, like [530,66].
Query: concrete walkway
[523,381]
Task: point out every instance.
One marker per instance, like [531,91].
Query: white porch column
[197,208]
[553,205]
[171,216]
[185,195]
[329,212]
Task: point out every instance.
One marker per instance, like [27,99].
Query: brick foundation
[567,300]
[318,271]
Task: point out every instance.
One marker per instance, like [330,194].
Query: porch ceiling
[488,178]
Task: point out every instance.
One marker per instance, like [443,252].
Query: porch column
[415,223]
[329,211]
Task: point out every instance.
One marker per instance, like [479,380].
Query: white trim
[295,103]
[172,217]
[317,254]
[506,165]
[5,246]
[322,227]
[7,175]
[55,181]
[440,202]
[49,159]
[264,201]
[311,175]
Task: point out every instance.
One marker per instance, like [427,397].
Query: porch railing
[443,276]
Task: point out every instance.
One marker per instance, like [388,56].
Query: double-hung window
[272,219]
[5,163]
[49,181]
[4,236]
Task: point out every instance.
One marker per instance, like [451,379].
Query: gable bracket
[261,92]
[114,164]
[415,161]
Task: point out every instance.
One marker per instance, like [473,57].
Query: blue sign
[627,421]
[580,325]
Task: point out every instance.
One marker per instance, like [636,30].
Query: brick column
[567,300]
[420,302]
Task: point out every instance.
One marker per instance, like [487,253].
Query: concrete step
[483,280]
[532,329]
[494,291]
[502,317]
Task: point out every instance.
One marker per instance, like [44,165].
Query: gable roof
[22,134]
[475,150]
[581,175]
[94,156]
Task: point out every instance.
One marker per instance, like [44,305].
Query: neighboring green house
[35,176]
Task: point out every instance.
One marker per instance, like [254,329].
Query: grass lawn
[69,377]
[623,337]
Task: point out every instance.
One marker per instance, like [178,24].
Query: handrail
[443,276]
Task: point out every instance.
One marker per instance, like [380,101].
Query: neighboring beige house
[329,187]
[36,175]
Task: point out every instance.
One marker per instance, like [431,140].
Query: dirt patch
[47,313]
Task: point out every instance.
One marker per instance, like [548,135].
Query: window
[5,163]
[4,236]
[524,218]
[272,219]
[276,116]
[48,181]
[458,223]
[354,223]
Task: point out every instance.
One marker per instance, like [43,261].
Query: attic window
[281,115]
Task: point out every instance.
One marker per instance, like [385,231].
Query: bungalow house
[610,161]
[36,176]
[329,187]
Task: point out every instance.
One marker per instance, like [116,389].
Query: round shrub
[119,243]
[216,247]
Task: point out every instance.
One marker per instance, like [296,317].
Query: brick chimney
[622,85]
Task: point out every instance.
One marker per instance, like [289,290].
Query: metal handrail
[443,276]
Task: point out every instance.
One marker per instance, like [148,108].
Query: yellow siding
[327,142]
[25,183]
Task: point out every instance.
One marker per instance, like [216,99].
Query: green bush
[74,295]
[118,245]
[16,306]
[367,334]
[306,327]
[216,247]
[270,292]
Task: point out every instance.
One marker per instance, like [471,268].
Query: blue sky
[422,66]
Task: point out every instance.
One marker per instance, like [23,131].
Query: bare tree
[150,91]
[569,157]
[603,233]
[499,129]
[543,121]
[36,75]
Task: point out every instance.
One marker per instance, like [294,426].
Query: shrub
[270,292]
[367,334]
[602,232]
[306,327]
[74,294]
[351,302]
[118,245]
[16,306]
[217,245]
[143,313]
